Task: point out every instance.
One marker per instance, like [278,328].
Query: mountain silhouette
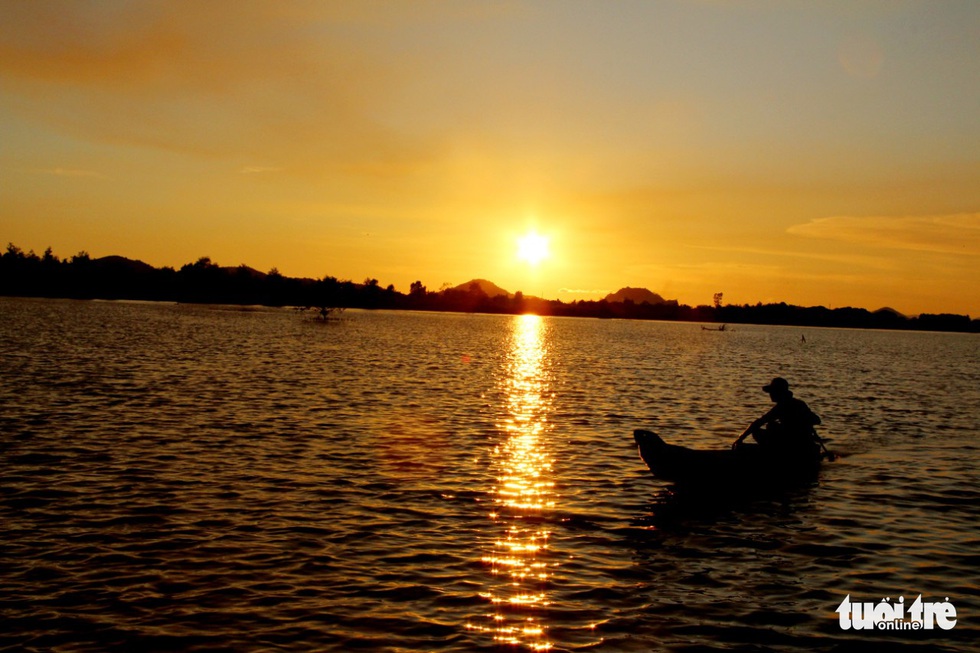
[122,265]
[635,295]
[888,311]
[245,271]
[488,287]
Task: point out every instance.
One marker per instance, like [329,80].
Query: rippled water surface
[217,479]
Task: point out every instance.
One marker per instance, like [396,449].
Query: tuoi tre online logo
[896,616]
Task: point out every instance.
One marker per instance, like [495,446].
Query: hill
[890,312]
[245,271]
[488,287]
[122,265]
[635,295]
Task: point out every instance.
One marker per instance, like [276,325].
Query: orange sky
[813,153]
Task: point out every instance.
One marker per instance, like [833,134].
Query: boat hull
[745,467]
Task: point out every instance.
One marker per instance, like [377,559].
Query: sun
[532,248]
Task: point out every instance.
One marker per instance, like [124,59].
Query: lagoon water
[212,478]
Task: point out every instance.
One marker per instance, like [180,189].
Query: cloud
[864,260]
[944,234]
[70,172]
[289,82]
[583,291]
[257,170]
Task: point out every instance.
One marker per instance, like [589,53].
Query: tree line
[204,281]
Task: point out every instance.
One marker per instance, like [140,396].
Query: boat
[746,467]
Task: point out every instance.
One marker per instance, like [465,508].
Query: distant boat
[323,313]
[723,327]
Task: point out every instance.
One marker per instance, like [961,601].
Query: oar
[831,456]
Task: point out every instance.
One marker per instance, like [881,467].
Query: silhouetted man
[788,426]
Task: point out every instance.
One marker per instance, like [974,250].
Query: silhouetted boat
[723,327]
[747,467]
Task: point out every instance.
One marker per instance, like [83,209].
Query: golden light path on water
[519,563]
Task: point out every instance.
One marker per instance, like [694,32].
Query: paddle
[744,435]
[830,455]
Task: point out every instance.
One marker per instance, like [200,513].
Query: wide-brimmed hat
[779,384]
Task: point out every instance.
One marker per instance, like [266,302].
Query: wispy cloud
[878,262]
[583,291]
[257,170]
[70,172]
[264,81]
[944,234]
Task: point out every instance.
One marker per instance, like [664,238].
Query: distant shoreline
[203,282]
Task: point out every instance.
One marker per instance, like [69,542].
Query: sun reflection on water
[519,563]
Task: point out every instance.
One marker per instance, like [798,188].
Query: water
[215,479]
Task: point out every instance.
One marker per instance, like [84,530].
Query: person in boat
[788,426]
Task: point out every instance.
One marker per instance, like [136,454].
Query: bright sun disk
[532,248]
